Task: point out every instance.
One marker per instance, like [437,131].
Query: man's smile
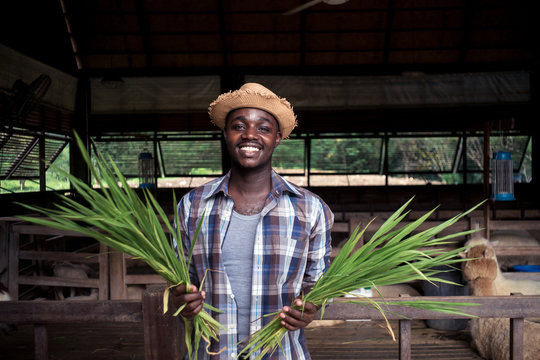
[250,148]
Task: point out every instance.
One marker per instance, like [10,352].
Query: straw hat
[253,95]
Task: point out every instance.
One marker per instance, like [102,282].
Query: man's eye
[264,129]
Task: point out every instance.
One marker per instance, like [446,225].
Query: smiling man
[264,241]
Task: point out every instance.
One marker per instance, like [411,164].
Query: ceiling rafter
[388,31]
[144,31]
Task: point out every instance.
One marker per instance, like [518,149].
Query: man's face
[251,136]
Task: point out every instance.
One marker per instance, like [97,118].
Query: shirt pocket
[288,262]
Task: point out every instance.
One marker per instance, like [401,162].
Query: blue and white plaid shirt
[291,251]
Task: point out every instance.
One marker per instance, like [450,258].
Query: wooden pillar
[42,160]
[487,134]
[80,125]
[532,120]
[163,333]
[117,275]
[516,339]
[404,339]
[103,290]
[13,263]
[41,342]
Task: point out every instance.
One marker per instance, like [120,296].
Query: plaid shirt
[291,251]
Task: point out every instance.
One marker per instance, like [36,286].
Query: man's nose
[251,132]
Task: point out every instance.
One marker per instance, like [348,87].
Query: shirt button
[233,355]
[232,296]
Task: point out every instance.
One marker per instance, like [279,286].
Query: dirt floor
[327,341]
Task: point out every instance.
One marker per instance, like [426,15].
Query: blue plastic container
[526,268]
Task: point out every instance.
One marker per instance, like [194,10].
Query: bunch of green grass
[392,256]
[116,216]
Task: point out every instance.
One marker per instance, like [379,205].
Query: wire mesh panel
[421,154]
[125,154]
[346,155]
[191,157]
[290,157]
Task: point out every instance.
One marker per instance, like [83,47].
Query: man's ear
[279,137]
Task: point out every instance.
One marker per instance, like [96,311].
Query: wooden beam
[517,306]
[46,312]
[87,258]
[43,230]
[58,281]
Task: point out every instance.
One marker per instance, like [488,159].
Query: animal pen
[393,99]
[162,334]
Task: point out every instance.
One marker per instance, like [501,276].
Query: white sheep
[491,336]
[4,296]
[72,271]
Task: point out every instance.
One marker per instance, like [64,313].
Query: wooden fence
[163,334]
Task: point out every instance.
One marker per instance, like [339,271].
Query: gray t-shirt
[237,250]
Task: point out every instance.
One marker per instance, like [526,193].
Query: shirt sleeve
[320,245]
[183,218]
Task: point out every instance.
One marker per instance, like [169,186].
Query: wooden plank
[41,342]
[517,250]
[514,225]
[404,339]
[163,333]
[517,306]
[341,227]
[13,264]
[144,279]
[103,282]
[522,275]
[117,274]
[58,281]
[46,312]
[87,258]
[516,339]
[43,230]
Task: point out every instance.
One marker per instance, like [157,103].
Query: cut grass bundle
[392,256]
[116,216]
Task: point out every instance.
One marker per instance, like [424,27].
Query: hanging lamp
[502,177]
[146,170]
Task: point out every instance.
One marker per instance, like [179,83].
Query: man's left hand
[293,319]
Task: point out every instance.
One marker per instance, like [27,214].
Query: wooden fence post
[405,339]
[163,333]
[41,342]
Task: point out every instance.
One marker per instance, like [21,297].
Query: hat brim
[280,108]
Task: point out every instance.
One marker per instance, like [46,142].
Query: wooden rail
[163,334]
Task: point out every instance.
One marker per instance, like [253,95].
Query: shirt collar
[279,185]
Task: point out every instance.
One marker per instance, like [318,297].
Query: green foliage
[116,216]
[393,255]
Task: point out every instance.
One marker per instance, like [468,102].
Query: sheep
[485,271]
[4,296]
[491,336]
[71,271]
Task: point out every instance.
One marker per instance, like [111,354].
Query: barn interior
[394,99]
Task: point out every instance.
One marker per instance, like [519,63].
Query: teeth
[249,148]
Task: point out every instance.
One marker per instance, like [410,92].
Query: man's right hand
[194,299]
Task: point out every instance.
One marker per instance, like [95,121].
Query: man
[263,241]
